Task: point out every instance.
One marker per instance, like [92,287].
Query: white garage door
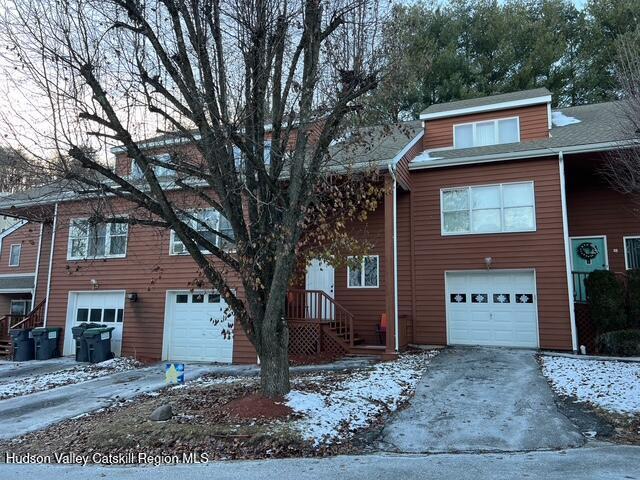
[196,328]
[96,307]
[492,308]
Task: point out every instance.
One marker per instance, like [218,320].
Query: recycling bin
[47,342]
[82,349]
[99,343]
[22,340]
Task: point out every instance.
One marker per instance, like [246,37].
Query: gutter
[53,242]
[392,172]
[567,252]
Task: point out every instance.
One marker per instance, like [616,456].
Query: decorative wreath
[587,250]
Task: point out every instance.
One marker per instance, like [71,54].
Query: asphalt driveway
[481,400]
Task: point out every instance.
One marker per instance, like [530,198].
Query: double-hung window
[14,255]
[490,132]
[215,222]
[364,275]
[632,253]
[97,240]
[507,207]
[158,170]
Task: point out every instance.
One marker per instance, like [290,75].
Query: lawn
[225,418]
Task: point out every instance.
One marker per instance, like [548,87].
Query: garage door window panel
[500,208]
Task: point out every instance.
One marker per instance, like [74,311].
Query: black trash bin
[82,349]
[99,344]
[47,342]
[22,344]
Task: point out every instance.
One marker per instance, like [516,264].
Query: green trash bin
[82,349]
[99,343]
[22,344]
[47,342]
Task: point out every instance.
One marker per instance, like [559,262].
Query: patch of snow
[559,119]
[76,374]
[343,408]
[425,157]
[611,385]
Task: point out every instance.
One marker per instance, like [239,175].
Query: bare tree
[253,94]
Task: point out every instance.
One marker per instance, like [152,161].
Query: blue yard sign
[174,373]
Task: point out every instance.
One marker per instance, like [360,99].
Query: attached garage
[196,328]
[106,307]
[494,308]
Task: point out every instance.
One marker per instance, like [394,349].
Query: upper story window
[214,221]
[507,207]
[14,255]
[365,275]
[490,132]
[159,170]
[96,240]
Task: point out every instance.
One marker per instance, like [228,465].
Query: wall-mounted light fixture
[133,296]
[94,284]
[488,261]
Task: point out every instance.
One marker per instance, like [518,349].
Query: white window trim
[19,245]
[163,157]
[172,239]
[107,244]
[377,285]
[624,243]
[492,232]
[495,131]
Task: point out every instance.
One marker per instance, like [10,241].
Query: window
[491,132]
[14,255]
[632,253]
[20,307]
[159,170]
[365,275]
[216,222]
[96,240]
[508,207]
[99,315]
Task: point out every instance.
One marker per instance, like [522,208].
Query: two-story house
[495,212]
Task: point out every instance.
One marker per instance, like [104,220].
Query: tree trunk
[274,358]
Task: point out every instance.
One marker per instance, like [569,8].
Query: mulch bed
[320,359]
[224,421]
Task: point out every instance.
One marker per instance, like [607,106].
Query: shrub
[633,297]
[605,296]
[622,343]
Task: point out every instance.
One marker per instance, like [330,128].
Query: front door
[587,254]
[320,276]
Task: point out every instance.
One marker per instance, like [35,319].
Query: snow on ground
[339,409]
[80,373]
[608,384]
[559,119]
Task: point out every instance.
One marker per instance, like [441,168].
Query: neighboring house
[494,214]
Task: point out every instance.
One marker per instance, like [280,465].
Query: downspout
[35,280]
[392,172]
[53,242]
[567,253]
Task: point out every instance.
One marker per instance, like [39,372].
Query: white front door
[492,308]
[198,328]
[320,276]
[96,307]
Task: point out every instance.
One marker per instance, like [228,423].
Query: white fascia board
[406,148]
[543,152]
[487,108]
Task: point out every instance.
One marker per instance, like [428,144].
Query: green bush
[605,297]
[622,343]
[633,297]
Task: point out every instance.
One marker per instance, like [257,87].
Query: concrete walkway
[481,400]
[601,463]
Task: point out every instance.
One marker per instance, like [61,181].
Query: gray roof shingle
[18,282]
[486,101]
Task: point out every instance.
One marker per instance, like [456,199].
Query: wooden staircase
[10,322]
[319,325]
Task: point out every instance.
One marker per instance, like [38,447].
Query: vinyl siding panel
[542,250]
[534,125]
[27,236]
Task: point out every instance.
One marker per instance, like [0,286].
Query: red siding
[148,270]
[27,236]
[534,125]
[542,250]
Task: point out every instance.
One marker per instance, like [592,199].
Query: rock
[161,413]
